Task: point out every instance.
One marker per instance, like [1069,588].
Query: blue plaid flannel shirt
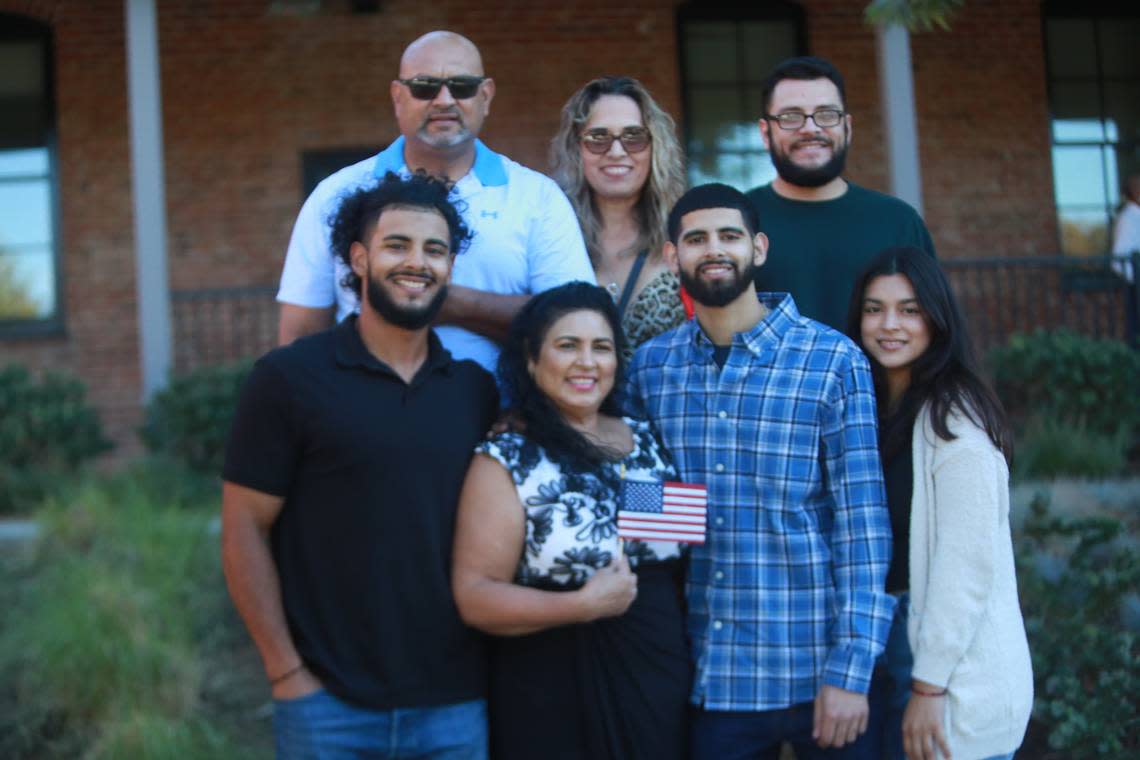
[786,593]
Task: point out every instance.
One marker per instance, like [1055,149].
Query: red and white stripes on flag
[656,511]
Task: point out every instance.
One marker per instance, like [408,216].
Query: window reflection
[725,59]
[28,267]
[1094,92]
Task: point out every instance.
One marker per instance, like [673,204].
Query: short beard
[460,136]
[408,318]
[797,175]
[721,294]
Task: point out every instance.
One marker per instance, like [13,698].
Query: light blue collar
[488,165]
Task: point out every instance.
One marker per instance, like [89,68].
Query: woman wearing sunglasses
[956,673]
[617,158]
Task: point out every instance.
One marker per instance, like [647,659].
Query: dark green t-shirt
[818,248]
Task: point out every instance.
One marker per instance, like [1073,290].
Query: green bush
[1071,378]
[110,638]
[1074,575]
[1049,448]
[47,431]
[190,418]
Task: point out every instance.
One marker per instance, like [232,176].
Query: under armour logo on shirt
[492,214]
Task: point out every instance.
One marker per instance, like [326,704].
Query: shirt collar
[351,351]
[782,315]
[488,167]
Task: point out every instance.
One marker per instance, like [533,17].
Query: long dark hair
[947,375]
[544,424]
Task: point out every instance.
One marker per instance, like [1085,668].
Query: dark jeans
[890,688]
[758,735]
[320,726]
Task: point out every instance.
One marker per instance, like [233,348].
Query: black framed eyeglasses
[633,139]
[823,118]
[426,88]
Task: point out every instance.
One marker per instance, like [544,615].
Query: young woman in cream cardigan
[956,674]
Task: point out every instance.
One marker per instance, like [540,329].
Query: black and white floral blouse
[571,517]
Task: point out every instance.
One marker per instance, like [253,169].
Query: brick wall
[249,85]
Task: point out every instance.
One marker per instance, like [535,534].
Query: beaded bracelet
[922,693]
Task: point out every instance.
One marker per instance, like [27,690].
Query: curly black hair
[359,210]
[543,422]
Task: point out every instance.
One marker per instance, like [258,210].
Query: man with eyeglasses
[822,228]
[526,236]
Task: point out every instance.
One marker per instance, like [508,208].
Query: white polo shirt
[526,239]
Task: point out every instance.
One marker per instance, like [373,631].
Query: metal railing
[1002,296]
[220,325]
[999,296]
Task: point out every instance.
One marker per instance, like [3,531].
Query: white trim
[152,285]
[896,85]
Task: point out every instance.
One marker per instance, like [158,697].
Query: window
[725,55]
[1094,102]
[29,281]
[318,164]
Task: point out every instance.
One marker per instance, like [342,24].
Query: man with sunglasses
[526,236]
[823,229]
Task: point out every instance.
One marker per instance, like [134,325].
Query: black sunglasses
[633,139]
[426,88]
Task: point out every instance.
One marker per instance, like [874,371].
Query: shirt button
[720,521]
[717,625]
[719,575]
[722,414]
[719,467]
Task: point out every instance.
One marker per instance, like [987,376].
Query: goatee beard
[722,293]
[818,176]
[408,318]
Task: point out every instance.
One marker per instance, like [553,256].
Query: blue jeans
[758,735]
[319,726]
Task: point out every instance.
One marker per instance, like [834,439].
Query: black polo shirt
[370,468]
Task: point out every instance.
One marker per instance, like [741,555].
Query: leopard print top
[656,308]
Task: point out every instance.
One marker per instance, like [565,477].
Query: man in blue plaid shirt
[775,413]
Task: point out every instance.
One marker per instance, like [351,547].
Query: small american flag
[656,511]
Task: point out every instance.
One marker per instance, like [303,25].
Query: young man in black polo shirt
[342,474]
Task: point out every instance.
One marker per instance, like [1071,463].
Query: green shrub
[190,419]
[47,431]
[1071,378]
[1049,448]
[110,634]
[1074,575]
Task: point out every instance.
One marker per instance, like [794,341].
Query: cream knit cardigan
[965,625]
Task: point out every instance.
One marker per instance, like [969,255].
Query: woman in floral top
[590,659]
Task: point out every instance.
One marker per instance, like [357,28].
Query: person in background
[956,678]
[525,240]
[1126,227]
[617,158]
[823,229]
[590,660]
